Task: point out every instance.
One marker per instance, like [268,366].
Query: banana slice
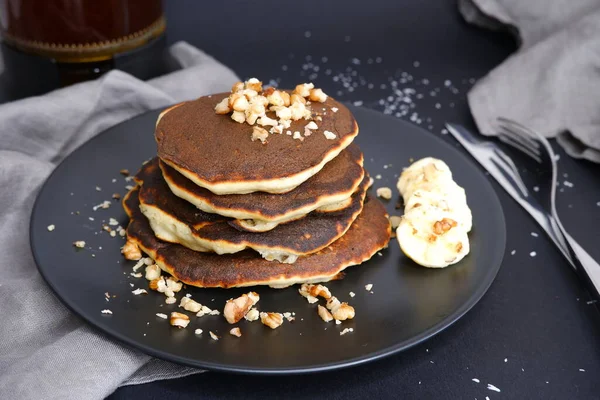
[427,169]
[432,237]
[448,197]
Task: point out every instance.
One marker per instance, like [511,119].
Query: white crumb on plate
[139,291]
[475,380]
[213,336]
[98,188]
[534,234]
[533,254]
[536,188]
[512,253]
[198,331]
[352,294]
[161,315]
[337,322]
[581,370]
[107,311]
[378,176]
[113,222]
[368,287]
[506,360]
[492,387]
[568,184]
[334,109]
[347,330]
[329,135]
[51,228]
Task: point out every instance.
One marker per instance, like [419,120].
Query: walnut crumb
[190,305]
[324,314]
[352,294]
[124,172]
[334,109]
[329,135]
[179,320]
[198,331]
[106,312]
[161,315]
[51,228]
[384,193]
[116,196]
[79,244]
[347,330]
[236,309]
[213,336]
[309,289]
[252,315]
[343,312]
[368,287]
[170,300]
[236,332]
[272,320]
[259,133]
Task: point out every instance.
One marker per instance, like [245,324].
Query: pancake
[367,235]
[329,190]
[175,220]
[217,153]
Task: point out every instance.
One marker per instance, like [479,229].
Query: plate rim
[323,367]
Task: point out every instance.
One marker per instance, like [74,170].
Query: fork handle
[589,265]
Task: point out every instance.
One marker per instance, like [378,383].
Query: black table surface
[534,335]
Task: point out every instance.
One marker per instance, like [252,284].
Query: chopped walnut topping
[238,116]
[213,336]
[286,98]
[384,193]
[298,136]
[170,300]
[277,129]
[304,89]
[266,121]
[309,289]
[332,303]
[324,314]
[51,228]
[190,305]
[249,94]
[252,315]
[395,221]
[343,312]
[296,98]
[272,320]
[152,272]
[236,309]
[238,102]
[317,95]
[254,84]
[334,109]
[179,320]
[236,332]
[329,135]
[311,125]
[259,133]
[276,98]
[80,244]
[222,107]
[346,330]
[298,111]
[237,87]
[130,250]
[283,113]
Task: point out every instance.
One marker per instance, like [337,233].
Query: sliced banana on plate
[433,230]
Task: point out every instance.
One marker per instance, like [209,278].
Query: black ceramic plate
[409,303]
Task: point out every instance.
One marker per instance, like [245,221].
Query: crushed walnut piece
[152,272]
[271,319]
[343,312]
[198,331]
[309,289]
[161,315]
[139,291]
[170,300]
[329,135]
[51,228]
[384,193]
[443,226]
[130,250]
[252,315]
[368,287]
[324,314]
[190,305]
[213,336]
[124,172]
[259,133]
[80,244]
[289,317]
[346,330]
[235,332]
[236,309]
[179,320]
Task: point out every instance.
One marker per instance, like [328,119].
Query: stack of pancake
[266,190]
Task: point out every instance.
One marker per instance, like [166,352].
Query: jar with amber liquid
[48,44]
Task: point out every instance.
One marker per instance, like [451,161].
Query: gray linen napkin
[552,82]
[45,351]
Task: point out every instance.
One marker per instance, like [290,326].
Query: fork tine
[510,140]
[522,131]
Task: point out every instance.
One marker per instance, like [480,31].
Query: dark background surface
[533,335]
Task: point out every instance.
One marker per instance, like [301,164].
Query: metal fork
[538,148]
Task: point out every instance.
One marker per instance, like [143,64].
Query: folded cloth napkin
[551,83]
[45,351]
